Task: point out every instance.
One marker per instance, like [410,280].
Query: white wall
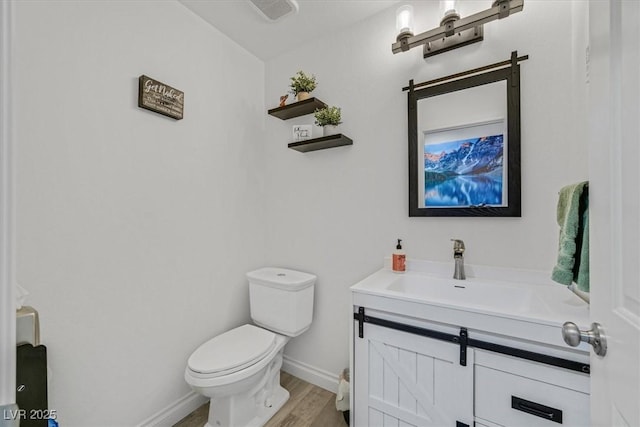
[338,212]
[134,231]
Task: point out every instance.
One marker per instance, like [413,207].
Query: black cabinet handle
[536,409]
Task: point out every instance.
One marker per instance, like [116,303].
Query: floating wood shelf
[302,108]
[330,141]
[297,109]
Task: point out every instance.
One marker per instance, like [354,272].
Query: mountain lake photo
[468,172]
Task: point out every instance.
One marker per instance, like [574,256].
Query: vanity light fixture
[453,31]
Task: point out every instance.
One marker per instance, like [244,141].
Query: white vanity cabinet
[417,362]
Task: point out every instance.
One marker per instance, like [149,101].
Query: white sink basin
[470,293]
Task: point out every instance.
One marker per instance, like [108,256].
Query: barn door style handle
[573,336]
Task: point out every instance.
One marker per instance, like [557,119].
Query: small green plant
[328,116]
[302,83]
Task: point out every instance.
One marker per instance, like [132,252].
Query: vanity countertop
[499,301]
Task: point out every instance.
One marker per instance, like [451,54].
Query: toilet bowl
[239,370]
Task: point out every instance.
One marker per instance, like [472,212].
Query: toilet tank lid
[281,278]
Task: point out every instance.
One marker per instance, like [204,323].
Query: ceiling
[242,23]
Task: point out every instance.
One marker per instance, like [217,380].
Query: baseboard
[176,411]
[311,374]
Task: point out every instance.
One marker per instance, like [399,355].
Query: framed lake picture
[464,166]
[464,145]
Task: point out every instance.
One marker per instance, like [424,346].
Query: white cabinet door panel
[404,380]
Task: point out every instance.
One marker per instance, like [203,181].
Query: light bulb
[448,7]
[404,20]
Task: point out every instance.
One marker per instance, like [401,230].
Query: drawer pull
[536,409]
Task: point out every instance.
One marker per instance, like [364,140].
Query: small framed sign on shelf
[160,98]
[302,132]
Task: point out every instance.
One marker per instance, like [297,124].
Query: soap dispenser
[398,259]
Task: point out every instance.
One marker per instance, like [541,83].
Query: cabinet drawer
[514,400]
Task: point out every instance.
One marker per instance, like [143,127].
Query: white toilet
[240,369]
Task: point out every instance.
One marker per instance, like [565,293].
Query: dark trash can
[31,385]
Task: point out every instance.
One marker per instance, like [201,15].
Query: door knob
[595,336]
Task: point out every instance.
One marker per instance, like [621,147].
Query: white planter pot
[330,130]
[301,96]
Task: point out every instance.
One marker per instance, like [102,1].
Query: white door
[614,192]
[7,299]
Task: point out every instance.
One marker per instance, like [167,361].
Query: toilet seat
[232,351]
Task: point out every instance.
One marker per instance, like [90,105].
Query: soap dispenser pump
[398,259]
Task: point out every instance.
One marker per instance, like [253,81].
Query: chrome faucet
[458,250]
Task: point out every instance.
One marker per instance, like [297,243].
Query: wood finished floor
[308,406]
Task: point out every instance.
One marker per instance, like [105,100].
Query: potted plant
[302,85]
[329,118]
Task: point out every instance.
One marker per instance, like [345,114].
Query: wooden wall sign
[159,97]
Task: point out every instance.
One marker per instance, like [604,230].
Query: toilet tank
[281,299]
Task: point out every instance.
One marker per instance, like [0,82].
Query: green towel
[573,245]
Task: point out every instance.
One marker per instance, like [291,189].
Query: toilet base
[279,398]
[263,414]
[262,397]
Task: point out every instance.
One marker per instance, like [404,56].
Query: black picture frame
[511,75]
